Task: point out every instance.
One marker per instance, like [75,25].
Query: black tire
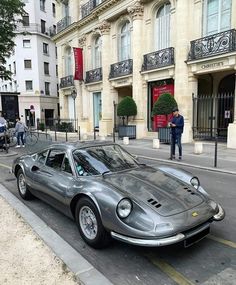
[102,238]
[26,194]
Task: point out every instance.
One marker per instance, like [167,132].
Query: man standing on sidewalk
[20,129]
[177,127]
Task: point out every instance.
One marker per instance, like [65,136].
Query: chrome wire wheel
[88,222]
[22,184]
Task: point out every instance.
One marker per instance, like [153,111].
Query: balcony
[94,75]
[216,44]
[67,81]
[121,68]
[87,8]
[158,59]
[32,28]
[63,23]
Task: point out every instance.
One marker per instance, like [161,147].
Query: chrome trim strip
[149,242]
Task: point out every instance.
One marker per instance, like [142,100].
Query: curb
[4,154]
[83,270]
[190,165]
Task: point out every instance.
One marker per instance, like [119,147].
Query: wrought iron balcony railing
[67,81]
[94,75]
[63,23]
[87,8]
[121,68]
[32,28]
[216,44]
[158,59]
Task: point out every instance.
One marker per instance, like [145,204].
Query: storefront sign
[78,54]
[212,65]
[160,120]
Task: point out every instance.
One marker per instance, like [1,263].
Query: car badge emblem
[194,214]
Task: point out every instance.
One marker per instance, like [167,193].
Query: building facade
[34,64]
[143,49]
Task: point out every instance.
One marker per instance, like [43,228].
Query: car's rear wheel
[22,186]
[90,225]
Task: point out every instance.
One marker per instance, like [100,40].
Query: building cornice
[104,6]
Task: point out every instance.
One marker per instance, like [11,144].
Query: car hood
[162,192]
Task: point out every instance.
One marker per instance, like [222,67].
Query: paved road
[211,261]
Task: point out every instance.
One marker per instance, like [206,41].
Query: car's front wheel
[22,186]
[90,225]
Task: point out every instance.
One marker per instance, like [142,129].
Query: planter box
[127,131]
[164,135]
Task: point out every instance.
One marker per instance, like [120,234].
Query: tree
[10,10]
[164,105]
[126,108]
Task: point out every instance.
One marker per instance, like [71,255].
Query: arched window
[97,55]
[217,16]
[68,64]
[125,42]
[162,27]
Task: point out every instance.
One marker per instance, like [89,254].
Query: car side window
[55,159]
[42,156]
[66,167]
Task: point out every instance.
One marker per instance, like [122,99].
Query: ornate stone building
[144,48]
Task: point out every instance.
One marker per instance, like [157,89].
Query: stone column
[136,12]
[183,92]
[105,124]
[231,139]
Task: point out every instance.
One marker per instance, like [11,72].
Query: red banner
[160,120]
[78,53]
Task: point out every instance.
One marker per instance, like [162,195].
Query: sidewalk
[226,158]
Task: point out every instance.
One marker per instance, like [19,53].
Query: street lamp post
[74,95]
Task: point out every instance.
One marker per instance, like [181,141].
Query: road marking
[223,241]
[170,271]
[5,166]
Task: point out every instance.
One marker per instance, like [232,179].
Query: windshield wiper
[105,172]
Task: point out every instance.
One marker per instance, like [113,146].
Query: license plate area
[196,238]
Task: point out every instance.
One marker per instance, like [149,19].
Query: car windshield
[102,159]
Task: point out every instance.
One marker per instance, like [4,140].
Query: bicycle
[30,138]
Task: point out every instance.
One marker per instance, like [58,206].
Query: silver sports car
[110,194]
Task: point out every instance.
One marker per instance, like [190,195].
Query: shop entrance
[214,110]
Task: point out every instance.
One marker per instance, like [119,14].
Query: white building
[33,64]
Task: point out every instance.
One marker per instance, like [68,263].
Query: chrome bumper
[220,215]
[160,241]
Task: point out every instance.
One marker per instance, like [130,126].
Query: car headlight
[124,208]
[214,205]
[195,182]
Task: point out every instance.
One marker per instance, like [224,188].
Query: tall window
[53,10]
[125,42]
[162,27]
[97,59]
[65,10]
[26,43]
[45,48]
[47,88]
[29,85]
[27,64]
[46,68]
[217,16]
[25,20]
[43,26]
[42,5]
[68,65]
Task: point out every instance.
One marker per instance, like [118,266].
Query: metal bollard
[66,136]
[79,132]
[216,149]
[94,134]
[114,135]
[55,135]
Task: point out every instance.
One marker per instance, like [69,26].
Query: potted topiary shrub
[164,106]
[127,108]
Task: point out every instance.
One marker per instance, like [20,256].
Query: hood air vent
[154,203]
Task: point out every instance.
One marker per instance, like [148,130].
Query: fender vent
[154,203]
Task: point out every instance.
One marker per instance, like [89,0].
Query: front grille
[154,203]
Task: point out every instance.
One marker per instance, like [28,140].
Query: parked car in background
[110,194]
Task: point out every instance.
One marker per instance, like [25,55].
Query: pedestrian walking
[20,129]
[3,123]
[177,127]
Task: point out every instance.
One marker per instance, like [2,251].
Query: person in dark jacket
[177,127]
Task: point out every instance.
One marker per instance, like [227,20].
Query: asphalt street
[211,261]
